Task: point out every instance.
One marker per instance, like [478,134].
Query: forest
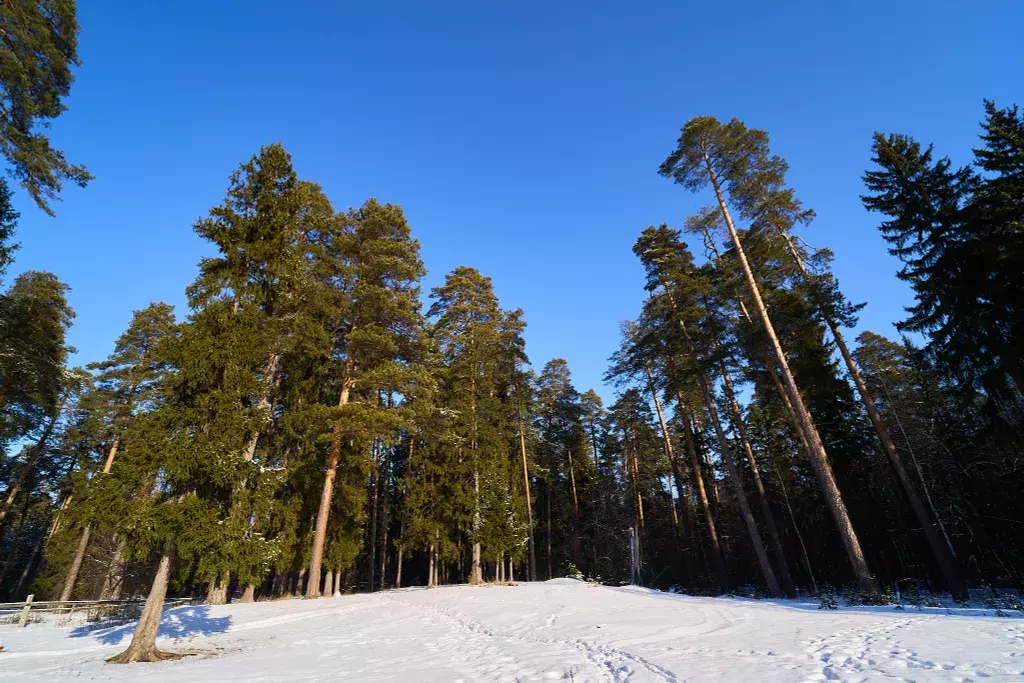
[316,422]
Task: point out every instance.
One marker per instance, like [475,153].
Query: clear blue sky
[522,138]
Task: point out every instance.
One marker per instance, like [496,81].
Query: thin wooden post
[24,611]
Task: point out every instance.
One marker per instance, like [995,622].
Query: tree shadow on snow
[176,623]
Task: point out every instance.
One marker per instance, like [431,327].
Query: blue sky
[521,138]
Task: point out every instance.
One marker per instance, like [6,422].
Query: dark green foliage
[39,40]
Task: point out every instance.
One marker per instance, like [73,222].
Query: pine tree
[377,333]
[127,382]
[39,48]
[709,153]
[670,267]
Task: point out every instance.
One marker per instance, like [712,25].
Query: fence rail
[79,612]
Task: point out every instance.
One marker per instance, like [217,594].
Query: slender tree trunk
[635,476]
[572,481]
[796,529]
[143,646]
[819,458]
[431,580]
[37,450]
[83,543]
[29,571]
[114,580]
[76,565]
[328,584]
[529,505]
[249,594]
[669,452]
[548,501]
[748,518]
[920,473]
[943,554]
[476,571]
[385,486]
[372,541]
[324,511]
[398,566]
[762,497]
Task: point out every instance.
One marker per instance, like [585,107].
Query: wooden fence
[79,612]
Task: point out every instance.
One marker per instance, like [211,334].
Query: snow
[558,630]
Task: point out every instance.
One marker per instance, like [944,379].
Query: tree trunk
[796,530]
[76,566]
[476,572]
[398,566]
[942,553]
[114,579]
[529,504]
[920,473]
[548,501]
[748,518]
[324,511]
[143,647]
[819,458]
[328,584]
[634,475]
[431,581]
[384,483]
[249,594]
[372,540]
[217,593]
[762,498]
[76,563]
[669,451]
[37,450]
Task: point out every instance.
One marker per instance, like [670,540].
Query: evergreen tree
[127,382]
[377,340]
[39,48]
[730,158]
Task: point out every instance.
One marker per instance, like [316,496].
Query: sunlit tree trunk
[143,646]
[324,511]
[819,458]
[529,505]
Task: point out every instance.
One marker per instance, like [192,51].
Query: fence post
[24,611]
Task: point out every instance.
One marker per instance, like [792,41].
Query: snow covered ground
[558,630]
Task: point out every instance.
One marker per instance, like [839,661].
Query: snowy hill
[559,630]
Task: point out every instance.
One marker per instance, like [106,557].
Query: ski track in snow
[558,630]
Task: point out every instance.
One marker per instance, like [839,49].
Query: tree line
[315,423]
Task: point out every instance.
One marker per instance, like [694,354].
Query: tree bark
[762,497]
[324,511]
[819,458]
[529,503]
[76,565]
[431,581]
[114,580]
[748,518]
[669,451]
[143,646]
[249,594]
[328,584]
